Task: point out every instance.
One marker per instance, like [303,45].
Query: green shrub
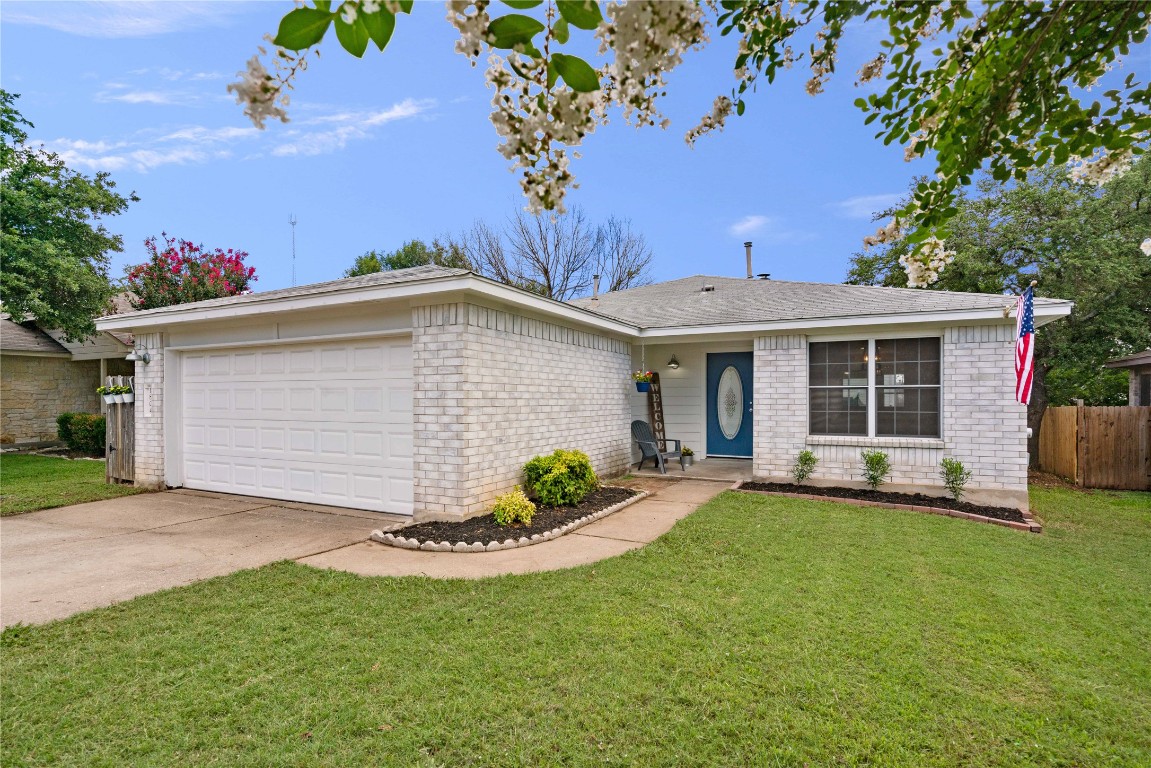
[955,476]
[64,427]
[804,465]
[82,432]
[561,479]
[514,507]
[876,467]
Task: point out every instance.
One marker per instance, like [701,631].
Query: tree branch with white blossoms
[1003,90]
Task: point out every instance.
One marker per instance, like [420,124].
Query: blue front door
[729,404]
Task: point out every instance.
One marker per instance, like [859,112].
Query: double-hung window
[875,387]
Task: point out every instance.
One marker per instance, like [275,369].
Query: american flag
[1024,345]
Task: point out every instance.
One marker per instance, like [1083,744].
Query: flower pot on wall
[117,398]
[643,386]
[109,399]
[130,397]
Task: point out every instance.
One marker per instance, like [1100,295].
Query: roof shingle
[684,302]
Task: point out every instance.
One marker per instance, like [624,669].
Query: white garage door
[326,423]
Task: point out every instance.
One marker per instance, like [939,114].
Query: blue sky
[398,145]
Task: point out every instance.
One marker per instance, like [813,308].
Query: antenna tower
[292,220]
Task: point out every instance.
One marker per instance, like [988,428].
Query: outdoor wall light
[141,356]
[673,363]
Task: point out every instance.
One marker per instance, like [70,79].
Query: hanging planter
[643,386]
[106,393]
[642,380]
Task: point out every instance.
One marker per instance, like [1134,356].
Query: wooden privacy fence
[1098,446]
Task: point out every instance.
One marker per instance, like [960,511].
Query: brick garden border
[1032,525]
[388,535]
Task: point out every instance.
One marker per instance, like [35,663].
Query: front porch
[725,470]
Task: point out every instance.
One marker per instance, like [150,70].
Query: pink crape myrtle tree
[179,272]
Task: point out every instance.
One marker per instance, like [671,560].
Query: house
[43,375]
[1138,368]
[423,391]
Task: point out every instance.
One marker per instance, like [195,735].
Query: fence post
[1080,442]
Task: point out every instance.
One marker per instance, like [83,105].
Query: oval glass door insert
[729,402]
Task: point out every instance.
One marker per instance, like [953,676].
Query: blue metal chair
[650,447]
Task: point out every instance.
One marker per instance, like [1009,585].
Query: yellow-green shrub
[514,507]
[561,479]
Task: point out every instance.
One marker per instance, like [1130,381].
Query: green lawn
[760,631]
[28,483]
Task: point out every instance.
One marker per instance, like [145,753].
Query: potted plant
[688,456]
[642,380]
[128,395]
[106,393]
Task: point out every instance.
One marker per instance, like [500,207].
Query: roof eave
[1044,315]
[426,287]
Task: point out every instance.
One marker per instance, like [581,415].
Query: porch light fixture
[673,363]
[141,356]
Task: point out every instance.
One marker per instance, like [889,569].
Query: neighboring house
[425,390]
[42,376]
[1138,368]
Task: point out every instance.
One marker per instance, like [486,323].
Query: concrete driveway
[62,561]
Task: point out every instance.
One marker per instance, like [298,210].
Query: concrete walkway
[58,562]
[628,529]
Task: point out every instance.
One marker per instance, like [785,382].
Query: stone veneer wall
[983,426]
[493,389]
[149,412]
[34,390]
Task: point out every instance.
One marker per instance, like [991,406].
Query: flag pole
[1009,307]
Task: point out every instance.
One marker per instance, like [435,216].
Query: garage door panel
[326,423]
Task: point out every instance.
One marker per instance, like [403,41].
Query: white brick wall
[149,412]
[983,426]
[493,389]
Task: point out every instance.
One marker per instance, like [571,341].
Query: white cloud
[349,126]
[148,149]
[121,19]
[863,206]
[138,97]
[748,225]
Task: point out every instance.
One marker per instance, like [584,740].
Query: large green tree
[1080,243]
[414,253]
[53,248]
[1005,85]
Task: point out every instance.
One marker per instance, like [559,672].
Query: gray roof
[15,337]
[683,302]
[1131,361]
[413,274]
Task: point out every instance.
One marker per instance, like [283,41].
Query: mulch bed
[485,529]
[885,497]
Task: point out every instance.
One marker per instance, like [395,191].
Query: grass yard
[760,631]
[28,483]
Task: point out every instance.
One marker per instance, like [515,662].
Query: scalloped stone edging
[1030,524]
[388,536]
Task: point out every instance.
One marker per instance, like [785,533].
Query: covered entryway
[324,423]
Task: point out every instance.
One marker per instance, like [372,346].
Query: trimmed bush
[876,467]
[514,507]
[561,479]
[82,432]
[955,476]
[804,465]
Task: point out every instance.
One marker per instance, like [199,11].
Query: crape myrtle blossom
[182,272]
[1145,246]
[924,265]
[648,40]
[1102,169]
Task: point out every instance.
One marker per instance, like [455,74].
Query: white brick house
[424,391]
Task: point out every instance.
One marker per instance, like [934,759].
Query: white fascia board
[415,289]
[951,317]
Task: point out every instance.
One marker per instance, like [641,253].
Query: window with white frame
[875,387]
